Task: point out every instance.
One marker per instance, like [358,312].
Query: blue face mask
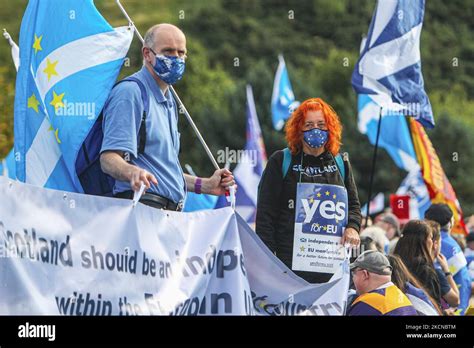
[315,137]
[169,68]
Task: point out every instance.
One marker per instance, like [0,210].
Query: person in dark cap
[391,225]
[442,214]
[378,296]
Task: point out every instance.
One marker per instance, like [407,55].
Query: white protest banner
[74,254]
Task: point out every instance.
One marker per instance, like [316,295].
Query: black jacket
[276,201]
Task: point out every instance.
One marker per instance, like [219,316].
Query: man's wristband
[198,185]
[447,274]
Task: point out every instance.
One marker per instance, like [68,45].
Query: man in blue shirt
[442,214]
[156,165]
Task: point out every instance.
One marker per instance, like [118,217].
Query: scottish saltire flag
[283,99]
[69,60]
[394,132]
[250,168]
[251,164]
[414,186]
[7,166]
[389,67]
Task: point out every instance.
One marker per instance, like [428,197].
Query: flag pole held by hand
[232,196]
[138,194]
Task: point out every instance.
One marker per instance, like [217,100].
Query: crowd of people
[418,268]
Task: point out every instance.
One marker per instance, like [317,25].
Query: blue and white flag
[420,201]
[7,166]
[251,165]
[69,60]
[283,99]
[389,67]
[250,168]
[394,133]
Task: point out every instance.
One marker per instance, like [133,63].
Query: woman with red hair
[313,134]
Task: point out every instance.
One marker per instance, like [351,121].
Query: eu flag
[69,60]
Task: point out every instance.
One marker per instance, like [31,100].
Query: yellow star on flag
[327,193]
[37,43]
[317,225]
[325,228]
[57,100]
[334,196]
[311,200]
[319,194]
[50,68]
[57,136]
[33,103]
[302,248]
[51,128]
[56,133]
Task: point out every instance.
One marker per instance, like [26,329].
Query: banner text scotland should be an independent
[31,246]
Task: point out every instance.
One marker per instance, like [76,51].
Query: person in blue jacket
[442,214]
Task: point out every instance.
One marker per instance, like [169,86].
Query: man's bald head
[365,281]
[165,34]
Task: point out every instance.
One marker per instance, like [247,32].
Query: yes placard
[320,220]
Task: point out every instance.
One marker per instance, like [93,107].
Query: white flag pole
[5,168]
[14,48]
[175,95]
